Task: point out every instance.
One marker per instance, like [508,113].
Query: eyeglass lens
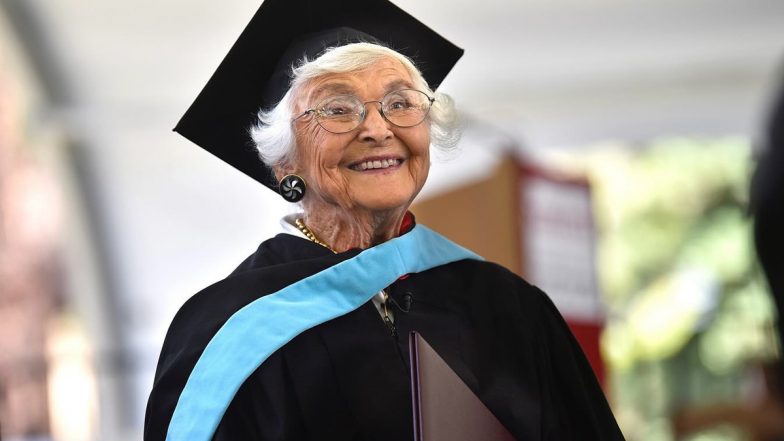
[344,113]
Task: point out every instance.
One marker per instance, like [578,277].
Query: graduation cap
[256,72]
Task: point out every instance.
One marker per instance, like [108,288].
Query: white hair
[273,133]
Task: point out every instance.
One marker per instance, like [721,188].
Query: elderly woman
[305,340]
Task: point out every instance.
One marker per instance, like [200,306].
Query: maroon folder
[445,409]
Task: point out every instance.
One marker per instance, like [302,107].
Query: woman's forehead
[383,76]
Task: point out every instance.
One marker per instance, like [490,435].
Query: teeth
[377,164]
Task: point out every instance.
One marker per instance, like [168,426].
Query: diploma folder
[445,409]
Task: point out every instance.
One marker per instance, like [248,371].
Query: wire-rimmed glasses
[344,113]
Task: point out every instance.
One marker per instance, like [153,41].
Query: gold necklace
[310,235]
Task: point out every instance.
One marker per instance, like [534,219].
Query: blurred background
[607,154]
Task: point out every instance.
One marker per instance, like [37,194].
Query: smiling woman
[303,340]
[360,182]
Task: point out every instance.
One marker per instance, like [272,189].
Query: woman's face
[378,166]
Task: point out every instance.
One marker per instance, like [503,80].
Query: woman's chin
[384,203]
[385,194]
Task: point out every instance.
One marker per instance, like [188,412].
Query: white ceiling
[529,64]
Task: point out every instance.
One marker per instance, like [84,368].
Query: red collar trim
[409,222]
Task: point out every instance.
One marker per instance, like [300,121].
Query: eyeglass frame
[364,113]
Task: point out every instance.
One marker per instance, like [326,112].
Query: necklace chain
[310,234]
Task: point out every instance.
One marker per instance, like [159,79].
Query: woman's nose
[374,128]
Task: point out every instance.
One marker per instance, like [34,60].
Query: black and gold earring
[292,188]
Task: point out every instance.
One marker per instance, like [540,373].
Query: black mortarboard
[255,73]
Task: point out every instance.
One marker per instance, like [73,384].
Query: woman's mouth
[376,164]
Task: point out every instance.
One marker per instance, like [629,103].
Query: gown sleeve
[574,405]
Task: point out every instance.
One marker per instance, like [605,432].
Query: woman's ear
[286,167]
[282,170]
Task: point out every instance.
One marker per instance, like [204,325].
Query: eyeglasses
[344,113]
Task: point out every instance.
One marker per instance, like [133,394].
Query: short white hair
[273,133]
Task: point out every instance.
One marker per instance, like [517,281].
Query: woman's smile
[377,164]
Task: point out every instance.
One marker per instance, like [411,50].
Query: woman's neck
[343,230]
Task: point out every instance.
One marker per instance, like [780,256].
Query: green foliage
[687,310]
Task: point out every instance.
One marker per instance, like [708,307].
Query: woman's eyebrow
[347,89]
[333,88]
[397,85]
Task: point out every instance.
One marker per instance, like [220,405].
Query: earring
[292,188]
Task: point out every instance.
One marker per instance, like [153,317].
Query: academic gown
[348,378]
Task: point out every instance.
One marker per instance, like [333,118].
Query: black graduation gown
[348,378]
